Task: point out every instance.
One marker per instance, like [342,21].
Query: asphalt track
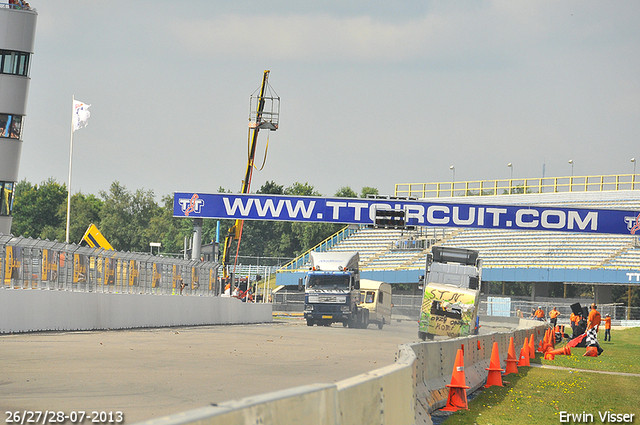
[148,373]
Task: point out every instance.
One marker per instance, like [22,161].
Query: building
[18,28]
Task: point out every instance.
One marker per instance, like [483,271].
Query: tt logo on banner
[633,224]
[189,205]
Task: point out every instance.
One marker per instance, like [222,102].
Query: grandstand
[511,255]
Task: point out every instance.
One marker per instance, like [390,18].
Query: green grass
[537,395]
[621,354]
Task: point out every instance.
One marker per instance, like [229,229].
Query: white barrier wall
[402,393]
[45,310]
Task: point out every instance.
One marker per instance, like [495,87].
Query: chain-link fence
[27,263]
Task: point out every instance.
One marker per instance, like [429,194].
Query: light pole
[633,177]
[453,181]
[571,179]
[571,162]
[510,165]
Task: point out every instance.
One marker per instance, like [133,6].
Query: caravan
[376,297]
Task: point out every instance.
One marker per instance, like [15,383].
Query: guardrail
[405,392]
[519,186]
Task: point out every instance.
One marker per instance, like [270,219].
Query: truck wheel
[365,319]
[309,322]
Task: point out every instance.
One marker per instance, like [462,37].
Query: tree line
[130,220]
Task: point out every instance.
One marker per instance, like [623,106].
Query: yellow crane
[264,114]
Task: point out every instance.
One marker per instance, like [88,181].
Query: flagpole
[73,100]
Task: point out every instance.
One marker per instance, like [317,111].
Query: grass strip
[547,396]
[621,354]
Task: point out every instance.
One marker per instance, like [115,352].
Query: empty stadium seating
[385,249]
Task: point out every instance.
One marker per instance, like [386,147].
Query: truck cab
[332,290]
[451,293]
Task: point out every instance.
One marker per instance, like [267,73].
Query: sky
[373,93]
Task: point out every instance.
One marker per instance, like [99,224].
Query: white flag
[81,114]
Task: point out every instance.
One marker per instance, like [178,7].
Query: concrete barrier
[403,393]
[46,310]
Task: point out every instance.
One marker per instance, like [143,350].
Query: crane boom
[235,231]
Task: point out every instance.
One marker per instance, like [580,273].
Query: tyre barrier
[405,392]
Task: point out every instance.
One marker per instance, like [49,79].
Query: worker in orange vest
[553,317]
[607,327]
[539,313]
[593,324]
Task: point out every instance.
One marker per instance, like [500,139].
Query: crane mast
[263,115]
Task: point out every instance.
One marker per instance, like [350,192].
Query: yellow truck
[451,293]
[375,296]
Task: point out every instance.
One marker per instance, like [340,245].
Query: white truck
[451,293]
[332,290]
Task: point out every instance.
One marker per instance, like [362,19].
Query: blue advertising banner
[417,213]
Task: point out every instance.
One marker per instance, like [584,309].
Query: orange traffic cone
[566,351]
[532,347]
[457,398]
[549,356]
[494,377]
[592,351]
[542,342]
[524,354]
[512,362]
[547,345]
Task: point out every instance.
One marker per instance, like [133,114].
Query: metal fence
[524,308]
[27,263]
[407,307]
[596,183]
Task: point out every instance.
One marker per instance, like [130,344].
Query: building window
[15,63]
[10,126]
[6,197]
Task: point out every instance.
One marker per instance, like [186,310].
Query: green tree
[168,230]
[125,216]
[368,191]
[301,189]
[35,209]
[346,192]
[85,210]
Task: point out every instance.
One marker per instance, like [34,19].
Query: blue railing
[323,246]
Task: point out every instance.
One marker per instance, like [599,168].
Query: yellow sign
[79,268]
[134,272]
[155,280]
[94,238]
